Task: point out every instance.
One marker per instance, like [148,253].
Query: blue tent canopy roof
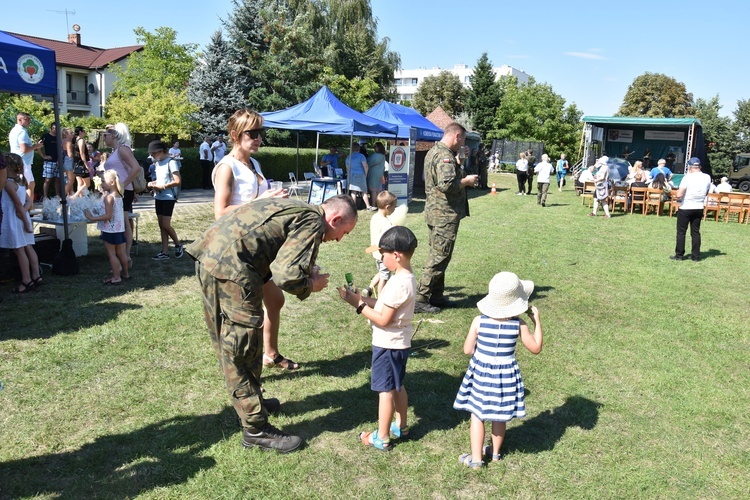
[325,114]
[406,118]
[26,68]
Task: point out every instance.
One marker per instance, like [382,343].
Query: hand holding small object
[320,281]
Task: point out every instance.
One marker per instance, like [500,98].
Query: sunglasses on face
[255,133]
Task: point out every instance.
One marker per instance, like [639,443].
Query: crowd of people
[262,244]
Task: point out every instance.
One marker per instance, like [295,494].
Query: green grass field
[642,389]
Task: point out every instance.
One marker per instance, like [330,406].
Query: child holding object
[390,317]
[492,388]
[387,216]
[15,225]
[112,226]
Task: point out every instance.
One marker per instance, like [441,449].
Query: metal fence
[509,151]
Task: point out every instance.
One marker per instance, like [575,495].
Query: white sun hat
[508,297]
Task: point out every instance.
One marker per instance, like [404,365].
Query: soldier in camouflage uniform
[445,206]
[234,258]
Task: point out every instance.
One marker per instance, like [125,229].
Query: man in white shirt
[207,161]
[692,192]
[20,144]
[543,170]
[219,148]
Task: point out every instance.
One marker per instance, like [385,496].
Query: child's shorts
[388,369]
[385,273]
[164,208]
[113,238]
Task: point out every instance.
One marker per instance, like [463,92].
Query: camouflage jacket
[446,198]
[273,235]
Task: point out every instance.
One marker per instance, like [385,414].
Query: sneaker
[270,438]
[677,257]
[544,204]
[424,307]
[371,209]
[179,251]
[160,256]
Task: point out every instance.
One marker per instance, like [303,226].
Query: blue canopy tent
[324,113]
[27,68]
[406,118]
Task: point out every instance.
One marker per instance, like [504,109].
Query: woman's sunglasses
[255,133]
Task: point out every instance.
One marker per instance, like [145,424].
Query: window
[398,81]
[414,81]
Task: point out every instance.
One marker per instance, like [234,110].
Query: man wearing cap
[165,186]
[692,193]
[234,258]
[662,168]
[445,206]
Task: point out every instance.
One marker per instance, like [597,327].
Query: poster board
[322,189]
[401,169]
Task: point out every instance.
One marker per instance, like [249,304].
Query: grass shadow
[541,433]
[122,465]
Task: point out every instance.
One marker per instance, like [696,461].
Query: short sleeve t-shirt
[399,294]
[696,186]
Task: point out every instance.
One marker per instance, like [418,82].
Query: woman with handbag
[124,163]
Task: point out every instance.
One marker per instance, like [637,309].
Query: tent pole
[63,197]
[317,146]
[297,155]
[348,174]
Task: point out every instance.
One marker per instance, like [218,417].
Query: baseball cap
[603,160]
[395,239]
[694,162]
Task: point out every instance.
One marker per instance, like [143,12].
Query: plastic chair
[294,188]
[653,199]
[309,176]
[638,197]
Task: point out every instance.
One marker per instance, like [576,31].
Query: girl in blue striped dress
[492,388]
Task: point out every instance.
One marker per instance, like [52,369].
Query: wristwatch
[361,307]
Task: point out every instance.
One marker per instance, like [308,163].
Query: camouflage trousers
[234,315]
[442,239]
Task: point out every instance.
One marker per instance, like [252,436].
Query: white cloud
[587,55]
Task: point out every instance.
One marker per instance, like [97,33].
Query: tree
[149,94]
[444,90]
[216,87]
[289,71]
[534,112]
[717,134]
[742,126]
[483,98]
[357,93]
[41,114]
[657,95]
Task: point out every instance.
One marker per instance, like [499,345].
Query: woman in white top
[174,151]
[237,180]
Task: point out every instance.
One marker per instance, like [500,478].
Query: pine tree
[483,98]
[216,86]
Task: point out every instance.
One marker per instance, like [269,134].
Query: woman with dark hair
[81,161]
[376,171]
[660,182]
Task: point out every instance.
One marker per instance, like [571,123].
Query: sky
[588,53]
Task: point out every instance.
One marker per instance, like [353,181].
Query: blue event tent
[325,114]
[406,118]
[27,68]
